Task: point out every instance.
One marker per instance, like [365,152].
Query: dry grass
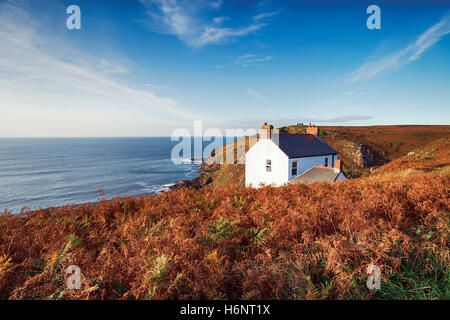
[294,242]
[391,142]
[434,156]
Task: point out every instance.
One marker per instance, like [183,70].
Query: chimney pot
[312,129]
[266,131]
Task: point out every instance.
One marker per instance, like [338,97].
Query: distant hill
[431,157]
[360,148]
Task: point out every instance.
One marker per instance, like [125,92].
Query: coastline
[201,181]
[204,171]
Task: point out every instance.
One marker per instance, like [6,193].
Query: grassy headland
[229,242]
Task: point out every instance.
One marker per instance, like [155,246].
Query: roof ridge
[292,134]
[325,167]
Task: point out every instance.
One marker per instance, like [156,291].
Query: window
[326,162]
[294,168]
[269,165]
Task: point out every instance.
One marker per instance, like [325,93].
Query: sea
[43,172]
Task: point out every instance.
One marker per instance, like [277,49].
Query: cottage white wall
[255,164]
[307,163]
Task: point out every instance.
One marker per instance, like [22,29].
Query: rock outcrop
[359,154]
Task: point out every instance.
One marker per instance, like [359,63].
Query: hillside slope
[293,242]
[360,148]
[434,156]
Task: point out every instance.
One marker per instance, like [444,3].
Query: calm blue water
[45,172]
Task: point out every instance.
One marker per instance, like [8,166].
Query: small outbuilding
[319,174]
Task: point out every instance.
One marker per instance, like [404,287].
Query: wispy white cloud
[407,55]
[265,15]
[220,20]
[111,67]
[215,4]
[247,60]
[158,87]
[330,103]
[256,95]
[350,94]
[185,20]
[41,77]
[219,35]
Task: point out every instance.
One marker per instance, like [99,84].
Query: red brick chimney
[338,164]
[266,131]
[312,129]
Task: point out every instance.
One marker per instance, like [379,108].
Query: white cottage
[277,159]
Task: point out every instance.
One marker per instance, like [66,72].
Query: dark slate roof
[302,145]
[317,174]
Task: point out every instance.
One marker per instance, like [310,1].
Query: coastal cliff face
[359,154]
[356,156]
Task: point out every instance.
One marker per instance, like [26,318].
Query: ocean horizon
[43,172]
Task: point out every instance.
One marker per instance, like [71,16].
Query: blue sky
[145,68]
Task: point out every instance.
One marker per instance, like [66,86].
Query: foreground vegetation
[294,242]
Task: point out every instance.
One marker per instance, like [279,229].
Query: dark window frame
[294,168]
[268,165]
